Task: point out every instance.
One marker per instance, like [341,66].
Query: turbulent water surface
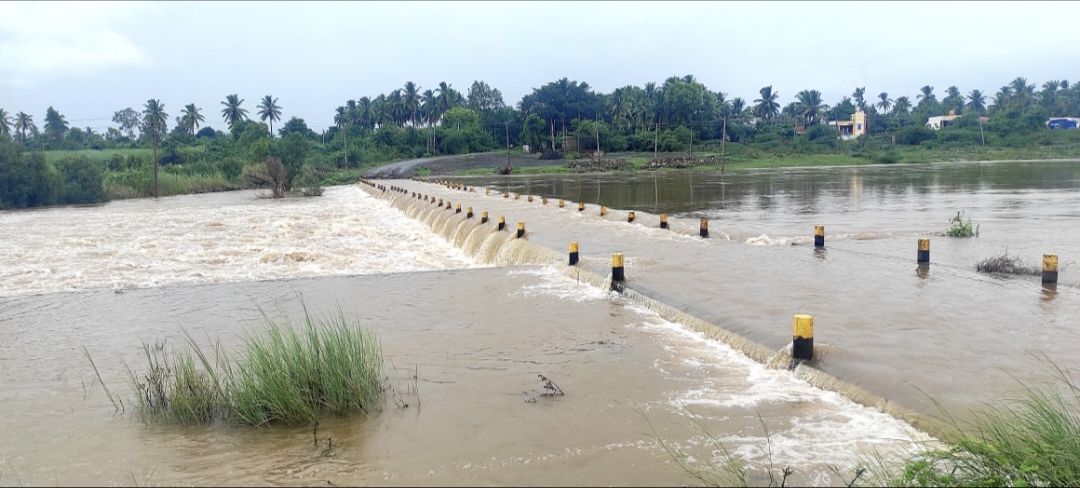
[110,277]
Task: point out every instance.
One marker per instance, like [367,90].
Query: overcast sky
[89,60]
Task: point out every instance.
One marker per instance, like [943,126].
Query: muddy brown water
[110,277]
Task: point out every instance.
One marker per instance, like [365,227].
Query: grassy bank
[742,157]
[287,373]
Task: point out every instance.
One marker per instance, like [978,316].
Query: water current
[476,336]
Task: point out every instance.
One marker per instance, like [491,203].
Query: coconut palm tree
[269,109]
[411,101]
[767,107]
[902,106]
[233,113]
[397,107]
[192,117]
[977,101]
[380,110]
[154,118]
[429,110]
[1022,92]
[24,122]
[5,123]
[810,105]
[926,93]
[341,120]
[1002,99]
[363,113]
[352,112]
[885,102]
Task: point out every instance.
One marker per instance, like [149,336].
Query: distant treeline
[563,115]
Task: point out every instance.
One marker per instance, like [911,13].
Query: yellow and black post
[1050,268]
[440,202]
[487,192]
[603,210]
[630,217]
[448,207]
[506,194]
[502,222]
[819,236]
[517,196]
[483,217]
[704,230]
[457,208]
[468,214]
[562,204]
[521,230]
[573,253]
[924,251]
[543,200]
[802,341]
[617,271]
[663,221]
[580,206]
[530,198]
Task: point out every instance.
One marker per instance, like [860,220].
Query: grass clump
[959,228]
[288,374]
[1031,441]
[1007,264]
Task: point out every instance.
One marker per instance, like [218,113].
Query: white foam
[212,238]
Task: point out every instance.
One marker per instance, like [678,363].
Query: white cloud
[41,40]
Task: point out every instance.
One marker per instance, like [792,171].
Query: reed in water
[287,373]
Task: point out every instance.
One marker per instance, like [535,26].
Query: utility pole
[597,125]
[656,139]
[552,134]
[981,130]
[723,145]
[691,140]
[507,144]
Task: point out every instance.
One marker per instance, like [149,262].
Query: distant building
[851,129]
[937,122]
[1063,123]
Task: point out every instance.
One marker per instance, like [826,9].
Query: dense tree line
[564,115]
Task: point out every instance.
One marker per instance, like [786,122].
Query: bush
[959,228]
[81,181]
[913,135]
[308,182]
[550,155]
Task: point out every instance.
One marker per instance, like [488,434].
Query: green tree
[885,102]
[293,149]
[341,120]
[860,98]
[411,102]
[192,117]
[55,125]
[977,101]
[5,123]
[767,107]
[23,123]
[80,181]
[233,113]
[154,118]
[810,105]
[128,119]
[903,106]
[269,109]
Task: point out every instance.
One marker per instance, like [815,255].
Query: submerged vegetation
[959,228]
[289,374]
[1007,264]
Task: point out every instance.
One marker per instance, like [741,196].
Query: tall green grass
[139,183]
[289,374]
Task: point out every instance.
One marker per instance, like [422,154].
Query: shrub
[959,228]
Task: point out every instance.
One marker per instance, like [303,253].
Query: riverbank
[741,157]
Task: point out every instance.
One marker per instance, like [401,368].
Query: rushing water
[110,277]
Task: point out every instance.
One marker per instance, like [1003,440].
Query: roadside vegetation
[288,374]
[959,228]
[565,120]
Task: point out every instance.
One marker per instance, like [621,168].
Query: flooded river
[477,335]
